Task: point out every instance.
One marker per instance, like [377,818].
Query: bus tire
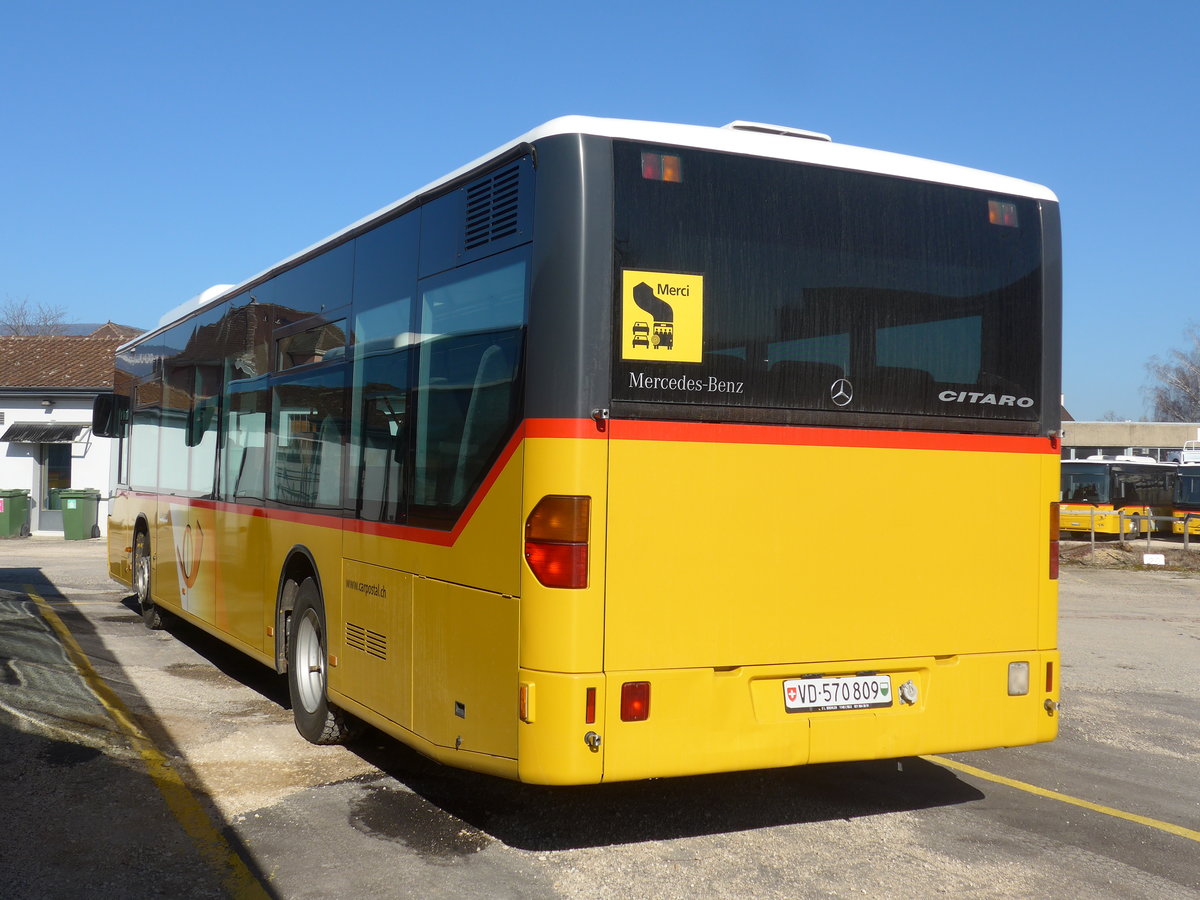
[151,615]
[308,653]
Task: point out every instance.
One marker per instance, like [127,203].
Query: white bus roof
[739,137]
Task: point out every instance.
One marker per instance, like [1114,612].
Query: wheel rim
[141,573]
[309,662]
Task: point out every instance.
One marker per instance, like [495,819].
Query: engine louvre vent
[493,204]
[370,642]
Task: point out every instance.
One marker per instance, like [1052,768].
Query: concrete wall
[1158,439]
[20,463]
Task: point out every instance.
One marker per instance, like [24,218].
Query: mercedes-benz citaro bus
[568,467]
[1130,495]
[1186,502]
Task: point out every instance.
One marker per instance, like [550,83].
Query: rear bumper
[705,720]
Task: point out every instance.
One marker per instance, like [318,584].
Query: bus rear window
[769,285]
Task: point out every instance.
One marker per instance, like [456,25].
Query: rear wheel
[317,721]
[141,581]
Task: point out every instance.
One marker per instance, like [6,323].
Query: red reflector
[558,565]
[635,701]
[590,715]
[1049,677]
[652,166]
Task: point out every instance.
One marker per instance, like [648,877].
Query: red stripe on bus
[791,435]
[629,430]
[563,428]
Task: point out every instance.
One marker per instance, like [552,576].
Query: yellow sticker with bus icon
[662,316]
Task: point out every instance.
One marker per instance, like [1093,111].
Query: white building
[47,384]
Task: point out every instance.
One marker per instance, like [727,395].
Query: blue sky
[153,149]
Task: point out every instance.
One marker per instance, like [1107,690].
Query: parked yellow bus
[556,468]
[1129,495]
[1186,507]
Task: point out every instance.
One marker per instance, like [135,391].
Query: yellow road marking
[188,811]
[1177,830]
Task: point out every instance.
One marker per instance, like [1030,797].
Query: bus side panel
[465,649]
[241,594]
[187,547]
[123,511]
[317,537]
[434,653]
[562,630]
[375,665]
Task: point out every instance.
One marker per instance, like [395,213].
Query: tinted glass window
[759,283]
[319,285]
[467,401]
[1188,489]
[312,345]
[143,435]
[385,279]
[244,446]
[379,408]
[307,434]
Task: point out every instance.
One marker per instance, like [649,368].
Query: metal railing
[1135,530]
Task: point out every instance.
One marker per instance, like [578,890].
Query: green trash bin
[14,513]
[54,498]
[79,513]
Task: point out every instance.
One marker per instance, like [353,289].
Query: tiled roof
[55,361]
[113,330]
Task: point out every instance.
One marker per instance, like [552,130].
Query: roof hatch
[765,128]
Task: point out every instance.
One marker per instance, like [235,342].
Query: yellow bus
[1186,507]
[1116,494]
[434,469]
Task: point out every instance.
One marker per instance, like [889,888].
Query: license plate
[851,692]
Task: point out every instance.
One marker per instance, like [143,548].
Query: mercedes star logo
[841,392]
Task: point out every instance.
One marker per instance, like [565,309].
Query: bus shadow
[226,659]
[535,818]
[440,800]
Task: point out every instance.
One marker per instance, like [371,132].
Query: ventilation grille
[492,206]
[369,642]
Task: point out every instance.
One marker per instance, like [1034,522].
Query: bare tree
[1173,393]
[18,318]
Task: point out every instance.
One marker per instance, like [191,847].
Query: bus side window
[244,443]
[472,332]
[306,436]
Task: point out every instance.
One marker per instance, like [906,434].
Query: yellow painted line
[188,811]
[1177,830]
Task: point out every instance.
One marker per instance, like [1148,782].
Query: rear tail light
[1054,526]
[635,701]
[556,541]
